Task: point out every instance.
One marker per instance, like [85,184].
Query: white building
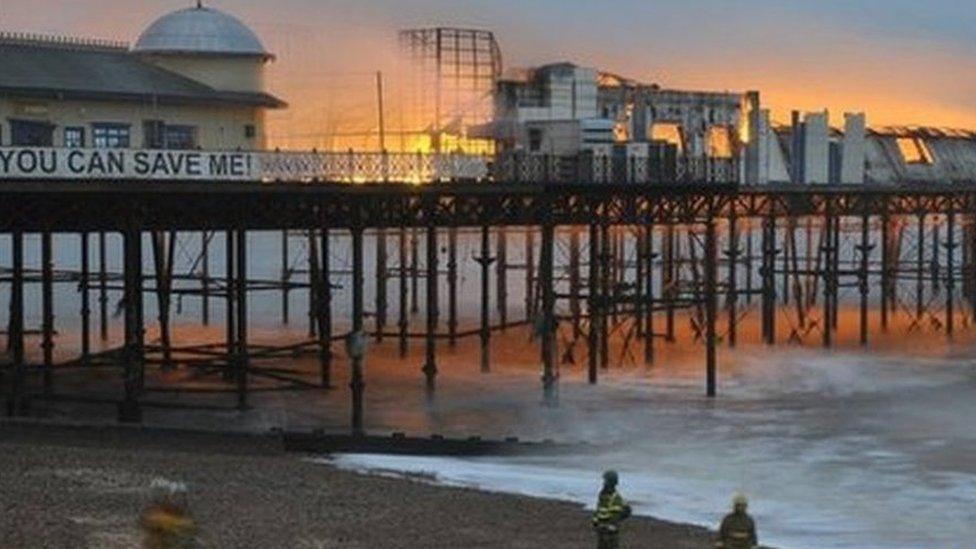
[193,80]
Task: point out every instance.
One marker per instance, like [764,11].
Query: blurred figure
[166,523]
[610,512]
[738,530]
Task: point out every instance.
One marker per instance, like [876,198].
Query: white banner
[47,163]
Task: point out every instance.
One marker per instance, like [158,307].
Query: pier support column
[205,278]
[950,246]
[711,306]
[604,305]
[548,324]
[324,312]
[414,271]
[102,289]
[230,305]
[381,278]
[885,269]
[769,252]
[47,311]
[575,309]
[313,275]
[649,300]
[501,276]
[668,272]
[732,303]
[864,285]
[130,410]
[920,274]
[285,278]
[243,358]
[530,283]
[452,288]
[593,304]
[163,249]
[430,360]
[404,321]
[16,400]
[357,384]
[829,276]
[85,288]
[485,261]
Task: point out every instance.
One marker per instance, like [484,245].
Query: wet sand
[68,488]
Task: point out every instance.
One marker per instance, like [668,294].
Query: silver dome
[200,30]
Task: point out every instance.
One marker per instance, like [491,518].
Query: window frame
[119,137]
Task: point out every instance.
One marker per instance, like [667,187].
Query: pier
[597,257]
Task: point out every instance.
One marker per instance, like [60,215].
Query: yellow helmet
[740,500]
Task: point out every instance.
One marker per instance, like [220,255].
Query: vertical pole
[414,271]
[885,268]
[16,403]
[452,287]
[230,304]
[313,269]
[640,303]
[549,327]
[129,409]
[920,273]
[827,245]
[605,295]
[529,273]
[102,289]
[649,255]
[324,303]
[381,277]
[574,281]
[501,276]
[357,383]
[485,261]
[285,278]
[667,274]
[162,264]
[593,304]
[768,280]
[242,344]
[710,308]
[47,305]
[430,362]
[205,278]
[950,273]
[864,286]
[733,298]
[85,300]
[749,257]
[404,320]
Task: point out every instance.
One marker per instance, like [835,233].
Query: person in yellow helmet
[611,510]
[738,530]
[166,523]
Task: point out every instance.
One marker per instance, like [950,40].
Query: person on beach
[610,512]
[738,530]
[166,523]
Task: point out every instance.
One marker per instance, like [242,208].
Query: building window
[110,136]
[74,138]
[153,134]
[535,140]
[670,133]
[28,133]
[720,142]
[914,150]
[181,137]
[250,131]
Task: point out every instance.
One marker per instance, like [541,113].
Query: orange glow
[914,150]
[719,142]
[669,133]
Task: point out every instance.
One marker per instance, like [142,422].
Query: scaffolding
[452,77]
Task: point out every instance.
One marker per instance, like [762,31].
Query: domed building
[193,80]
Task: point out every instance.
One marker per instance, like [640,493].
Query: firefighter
[738,530]
[610,512]
[166,523]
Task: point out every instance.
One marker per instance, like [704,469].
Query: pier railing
[31,163]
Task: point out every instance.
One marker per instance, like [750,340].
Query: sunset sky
[901,61]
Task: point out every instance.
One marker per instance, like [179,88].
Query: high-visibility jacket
[610,510]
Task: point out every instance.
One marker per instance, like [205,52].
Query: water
[837,450]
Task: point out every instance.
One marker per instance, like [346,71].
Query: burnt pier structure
[598,261]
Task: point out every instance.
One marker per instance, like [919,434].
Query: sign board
[50,163]
[18,163]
